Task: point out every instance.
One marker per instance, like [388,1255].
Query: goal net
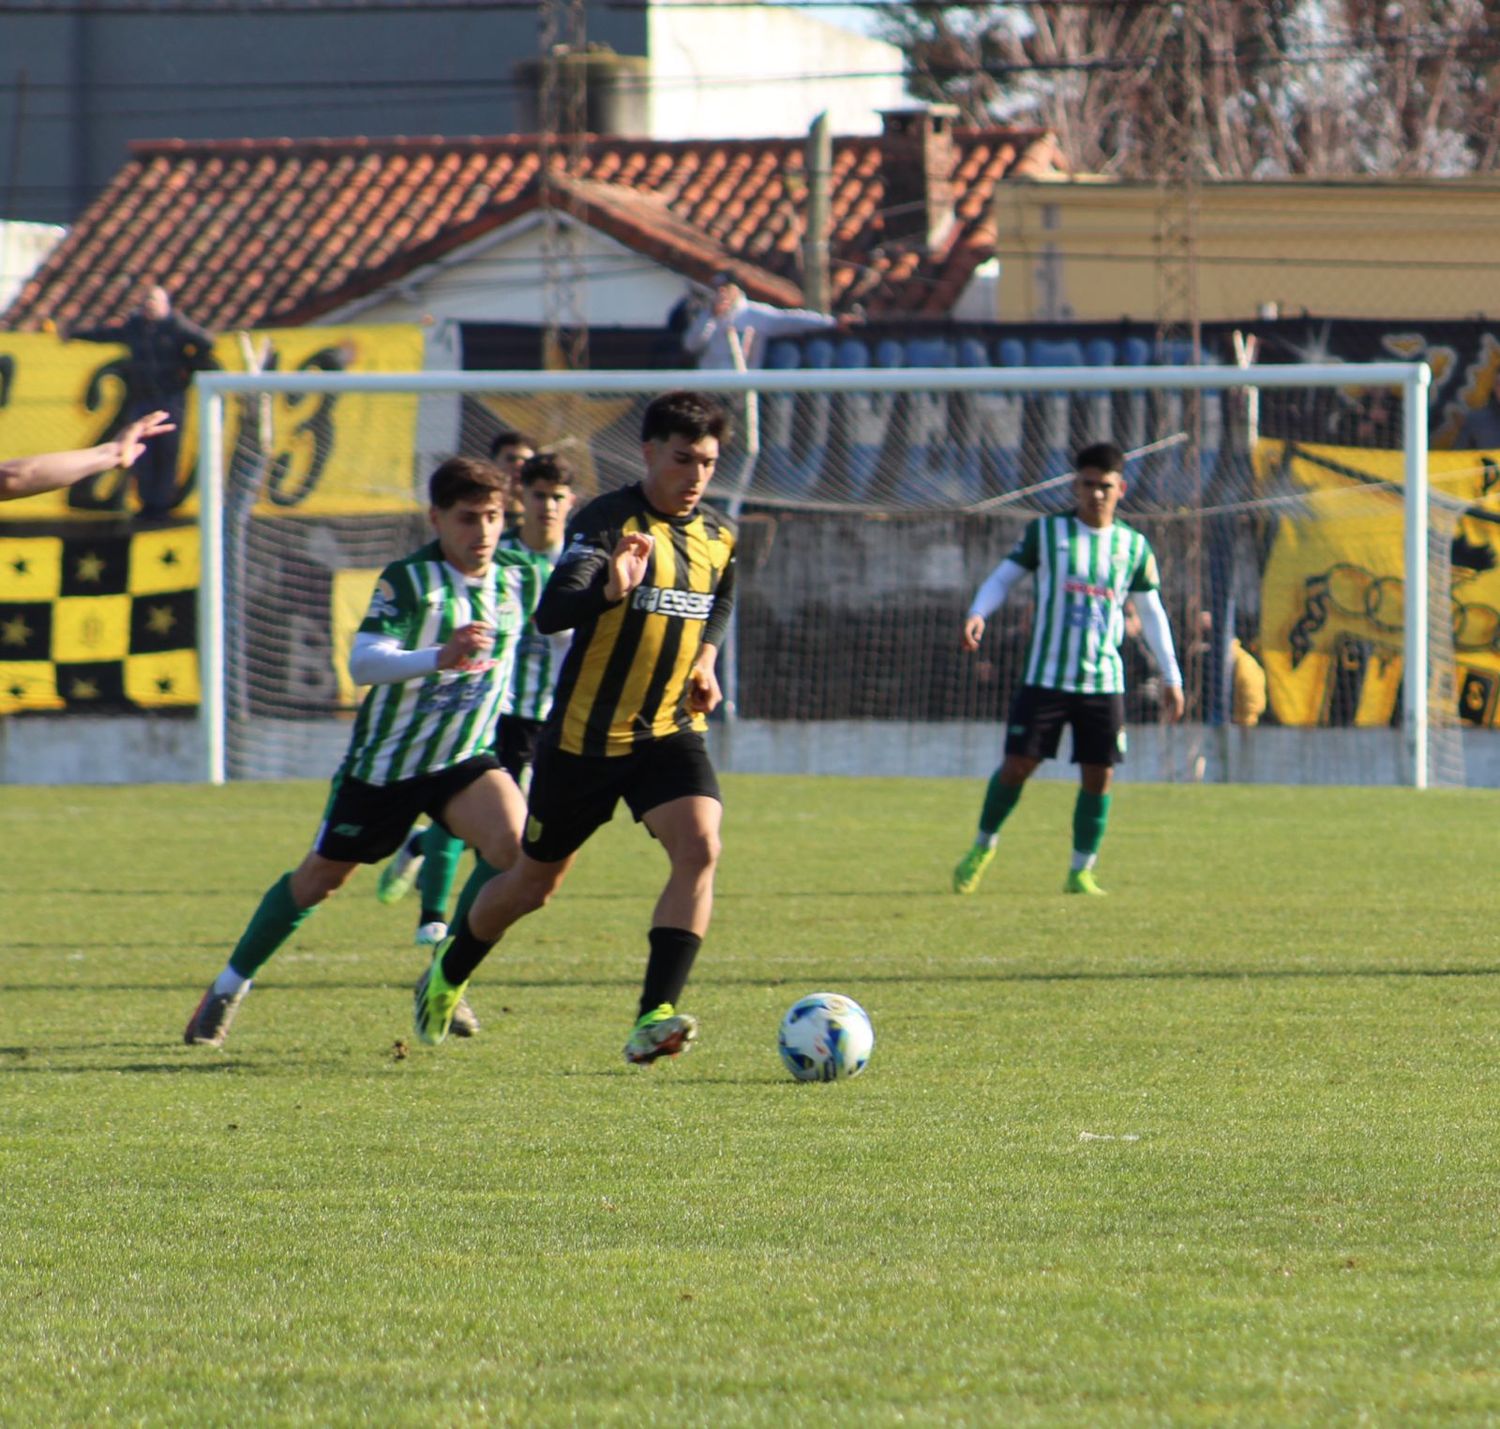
[1335,606]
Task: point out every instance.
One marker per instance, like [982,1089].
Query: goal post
[899,487]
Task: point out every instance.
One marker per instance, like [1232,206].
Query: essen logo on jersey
[689,604]
[1074,586]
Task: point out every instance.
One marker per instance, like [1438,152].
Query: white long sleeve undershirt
[1155,630]
[1157,634]
[382,660]
[991,595]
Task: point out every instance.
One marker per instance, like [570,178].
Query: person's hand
[703,692]
[627,566]
[468,642]
[1172,703]
[132,441]
[973,632]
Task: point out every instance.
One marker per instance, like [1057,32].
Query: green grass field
[1221,1148]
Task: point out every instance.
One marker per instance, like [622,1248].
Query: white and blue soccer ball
[825,1038]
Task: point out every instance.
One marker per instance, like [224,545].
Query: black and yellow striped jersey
[624,680]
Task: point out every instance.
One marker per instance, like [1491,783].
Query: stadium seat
[795,429]
[1053,422]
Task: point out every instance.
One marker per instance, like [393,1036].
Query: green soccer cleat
[1082,881]
[661,1033]
[436,1000]
[399,876]
[971,868]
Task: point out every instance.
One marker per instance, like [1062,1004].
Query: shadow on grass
[500,985]
[225,1068]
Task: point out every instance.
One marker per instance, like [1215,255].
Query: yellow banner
[1332,631]
[340,455]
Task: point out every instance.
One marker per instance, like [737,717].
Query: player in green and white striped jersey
[430,856]
[1086,565]
[436,648]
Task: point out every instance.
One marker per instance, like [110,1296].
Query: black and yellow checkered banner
[99,622]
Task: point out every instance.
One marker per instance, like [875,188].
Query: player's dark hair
[463,477]
[547,466]
[1101,456]
[693,415]
[505,437]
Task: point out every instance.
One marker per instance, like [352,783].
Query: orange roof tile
[257,232]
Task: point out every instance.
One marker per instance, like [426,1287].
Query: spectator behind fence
[730,319]
[165,351]
[1481,428]
[1247,685]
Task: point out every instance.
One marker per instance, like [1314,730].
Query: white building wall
[500,281]
[23,246]
[746,72]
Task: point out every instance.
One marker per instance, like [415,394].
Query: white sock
[1083,860]
[229,982]
[984,840]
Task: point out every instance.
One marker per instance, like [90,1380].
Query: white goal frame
[1411,379]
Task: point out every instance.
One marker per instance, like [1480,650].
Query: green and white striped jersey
[1083,577]
[422,725]
[538,657]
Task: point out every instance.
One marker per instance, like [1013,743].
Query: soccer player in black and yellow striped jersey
[645,582]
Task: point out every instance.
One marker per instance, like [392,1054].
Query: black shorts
[515,743]
[366,823]
[1038,715]
[574,794]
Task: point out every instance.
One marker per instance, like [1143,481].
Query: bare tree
[1287,87]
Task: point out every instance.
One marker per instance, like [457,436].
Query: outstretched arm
[29,475]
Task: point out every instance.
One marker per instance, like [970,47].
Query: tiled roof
[261,232]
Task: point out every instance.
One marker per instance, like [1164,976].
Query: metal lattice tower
[1179,166]
[563,111]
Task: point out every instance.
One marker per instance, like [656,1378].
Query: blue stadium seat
[865,420]
[794,429]
[925,461]
[986,429]
[851,352]
[1053,412]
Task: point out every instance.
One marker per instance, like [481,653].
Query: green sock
[482,874]
[441,853]
[277,918]
[1090,815]
[999,800]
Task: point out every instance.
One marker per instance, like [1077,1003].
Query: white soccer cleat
[429,935]
[399,876]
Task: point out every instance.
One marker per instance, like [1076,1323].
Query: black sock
[465,953]
[432,915]
[667,969]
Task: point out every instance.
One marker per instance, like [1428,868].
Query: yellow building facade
[1088,249]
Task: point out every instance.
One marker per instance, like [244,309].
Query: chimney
[616,89]
[919,159]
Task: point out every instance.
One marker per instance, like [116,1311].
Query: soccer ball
[825,1037]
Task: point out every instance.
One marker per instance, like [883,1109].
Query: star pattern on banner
[90,567]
